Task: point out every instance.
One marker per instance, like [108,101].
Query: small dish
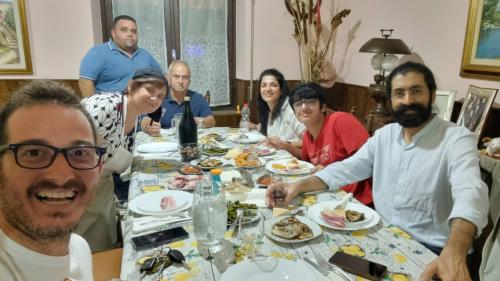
[264,181]
[190,170]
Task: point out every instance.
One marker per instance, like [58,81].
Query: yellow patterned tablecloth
[385,244]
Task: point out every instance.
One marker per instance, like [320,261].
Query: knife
[316,266]
[322,270]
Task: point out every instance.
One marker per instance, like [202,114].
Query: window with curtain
[150,24]
[195,30]
[203,38]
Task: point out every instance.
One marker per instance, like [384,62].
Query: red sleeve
[351,132]
[305,146]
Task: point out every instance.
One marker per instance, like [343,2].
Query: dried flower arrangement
[314,39]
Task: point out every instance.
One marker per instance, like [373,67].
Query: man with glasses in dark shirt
[49,166]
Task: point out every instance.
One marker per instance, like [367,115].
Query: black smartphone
[359,266]
[158,238]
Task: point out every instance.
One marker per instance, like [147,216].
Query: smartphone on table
[359,266]
[155,239]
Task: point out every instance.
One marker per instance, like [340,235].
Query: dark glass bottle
[188,133]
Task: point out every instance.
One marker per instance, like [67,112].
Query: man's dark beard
[412,120]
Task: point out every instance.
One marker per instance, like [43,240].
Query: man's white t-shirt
[20,263]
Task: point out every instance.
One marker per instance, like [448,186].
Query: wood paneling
[7,87]
[341,97]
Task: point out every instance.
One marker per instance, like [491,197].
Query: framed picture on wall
[443,104]
[481,53]
[477,104]
[14,44]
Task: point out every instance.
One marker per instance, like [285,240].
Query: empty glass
[174,124]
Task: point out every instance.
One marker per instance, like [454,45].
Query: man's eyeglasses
[413,91]
[180,77]
[39,156]
[307,102]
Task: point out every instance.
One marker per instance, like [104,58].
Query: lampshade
[385,45]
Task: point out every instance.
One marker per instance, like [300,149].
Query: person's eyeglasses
[307,102]
[180,77]
[39,156]
[413,91]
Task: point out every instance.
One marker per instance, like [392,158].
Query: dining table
[380,242]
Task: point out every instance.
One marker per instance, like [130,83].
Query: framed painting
[477,104]
[14,44]
[481,53]
[443,103]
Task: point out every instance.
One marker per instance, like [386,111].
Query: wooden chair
[107,264]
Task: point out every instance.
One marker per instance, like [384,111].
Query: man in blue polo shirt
[109,66]
[179,76]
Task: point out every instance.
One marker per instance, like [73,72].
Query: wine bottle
[188,133]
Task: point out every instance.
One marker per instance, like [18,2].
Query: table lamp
[384,61]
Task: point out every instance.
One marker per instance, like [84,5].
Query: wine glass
[280,190]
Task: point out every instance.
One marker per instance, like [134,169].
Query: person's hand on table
[447,267]
[276,143]
[292,190]
[150,127]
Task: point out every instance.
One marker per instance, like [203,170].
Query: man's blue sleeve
[91,65]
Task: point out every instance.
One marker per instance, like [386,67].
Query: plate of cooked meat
[291,229]
[355,216]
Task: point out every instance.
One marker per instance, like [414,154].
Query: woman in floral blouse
[115,116]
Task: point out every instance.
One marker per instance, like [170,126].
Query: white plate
[262,162]
[149,203]
[371,217]
[197,161]
[252,219]
[272,269]
[253,137]
[306,167]
[172,179]
[268,229]
[265,151]
[157,147]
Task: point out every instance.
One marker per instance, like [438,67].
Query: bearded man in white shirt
[49,165]
[425,171]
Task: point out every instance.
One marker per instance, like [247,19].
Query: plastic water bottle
[245,118]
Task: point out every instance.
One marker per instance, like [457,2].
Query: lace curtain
[203,34]
[149,16]
[203,28]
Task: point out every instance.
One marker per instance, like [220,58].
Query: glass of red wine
[280,189]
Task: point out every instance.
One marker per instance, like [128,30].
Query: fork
[321,261]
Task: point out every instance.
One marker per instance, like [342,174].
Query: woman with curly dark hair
[277,119]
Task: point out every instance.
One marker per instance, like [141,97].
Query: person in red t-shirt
[329,137]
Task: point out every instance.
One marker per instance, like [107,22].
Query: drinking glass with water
[209,215]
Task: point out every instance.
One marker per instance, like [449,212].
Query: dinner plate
[188,178]
[270,269]
[262,162]
[253,137]
[265,151]
[157,147]
[214,136]
[249,220]
[371,217]
[210,151]
[197,163]
[305,167]
[268,229]
[149,203]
